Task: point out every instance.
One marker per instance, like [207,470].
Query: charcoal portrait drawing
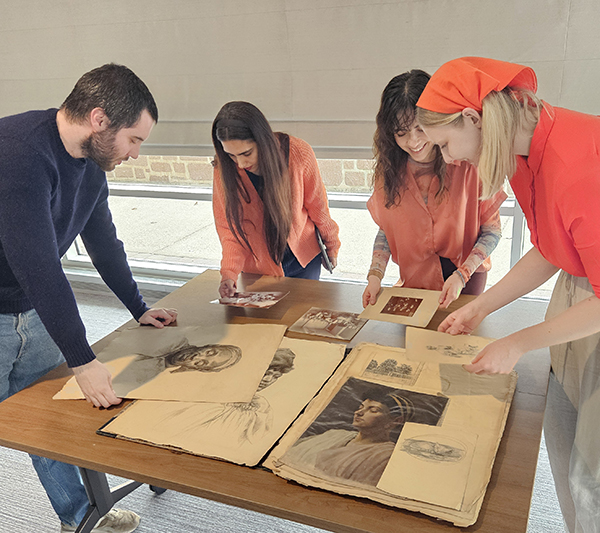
[359,451]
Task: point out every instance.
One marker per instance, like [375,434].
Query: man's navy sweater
[47,198]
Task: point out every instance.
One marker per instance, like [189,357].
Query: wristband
[375,273]
[462,278]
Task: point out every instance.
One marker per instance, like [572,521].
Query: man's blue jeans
[27,353]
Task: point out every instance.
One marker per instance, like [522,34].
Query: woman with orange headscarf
[485,111]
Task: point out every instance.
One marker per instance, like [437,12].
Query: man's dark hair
[115,89]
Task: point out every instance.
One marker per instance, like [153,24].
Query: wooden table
[66,430]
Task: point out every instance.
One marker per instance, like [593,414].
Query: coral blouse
[419,234]
[558,188]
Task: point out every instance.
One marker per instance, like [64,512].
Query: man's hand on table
[95,382]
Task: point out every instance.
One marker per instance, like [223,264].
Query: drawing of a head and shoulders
[246,422]
[236,423]
[182,357]
[361,452]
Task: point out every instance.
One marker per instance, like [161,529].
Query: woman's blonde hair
[503,112]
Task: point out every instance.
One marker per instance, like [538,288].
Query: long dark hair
[244,122]
[397,113]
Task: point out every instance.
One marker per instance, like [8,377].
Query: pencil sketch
[359,451]
[241,432]
[402,306]
[185,357]
[429,449]
[389,369]
[178,358]
[243,422]
[328,323]
[469,350]
[262,300]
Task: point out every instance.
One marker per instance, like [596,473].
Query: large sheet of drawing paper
[413,307]
[195,364]
[384,411]
[238,432]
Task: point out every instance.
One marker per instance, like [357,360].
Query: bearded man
[52,188]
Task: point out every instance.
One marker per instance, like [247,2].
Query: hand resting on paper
[95,382]
[498,357]
[159,318]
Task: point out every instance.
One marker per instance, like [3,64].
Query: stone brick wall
[339,175]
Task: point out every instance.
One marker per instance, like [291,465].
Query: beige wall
[315,67]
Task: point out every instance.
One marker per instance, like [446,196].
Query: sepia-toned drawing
[185,357]
[238,421]
[389,369]
[328,323]
[222,363]
[241,432]
[360,450]
[402,306]
[428,449]
[470,350]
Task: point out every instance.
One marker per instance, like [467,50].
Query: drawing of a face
[207,358]
[372,415]
[282,363]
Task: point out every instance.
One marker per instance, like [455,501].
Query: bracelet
[462,278]
[375,273]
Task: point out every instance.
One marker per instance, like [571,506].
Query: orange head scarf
[466,81]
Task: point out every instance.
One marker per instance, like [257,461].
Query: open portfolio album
[409,428]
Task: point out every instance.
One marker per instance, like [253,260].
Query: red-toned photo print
[401,305]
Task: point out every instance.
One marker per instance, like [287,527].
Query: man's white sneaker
[115,521]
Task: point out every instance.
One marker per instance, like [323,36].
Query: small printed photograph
[262,300]
[328,323]
[402,306]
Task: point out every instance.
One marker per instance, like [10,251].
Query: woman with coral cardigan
[268,200]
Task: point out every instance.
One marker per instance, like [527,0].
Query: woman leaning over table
[268,200]
[485,111]
[431,219]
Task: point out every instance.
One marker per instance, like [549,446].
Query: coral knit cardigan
[309,208]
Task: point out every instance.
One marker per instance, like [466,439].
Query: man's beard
[100,148]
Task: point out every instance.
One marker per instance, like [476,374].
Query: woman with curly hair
[431,219]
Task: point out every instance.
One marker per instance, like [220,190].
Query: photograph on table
[261,300]
[354,437]
[328,323]
[196,364]
[240,432]
[413,307]
[383,414]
